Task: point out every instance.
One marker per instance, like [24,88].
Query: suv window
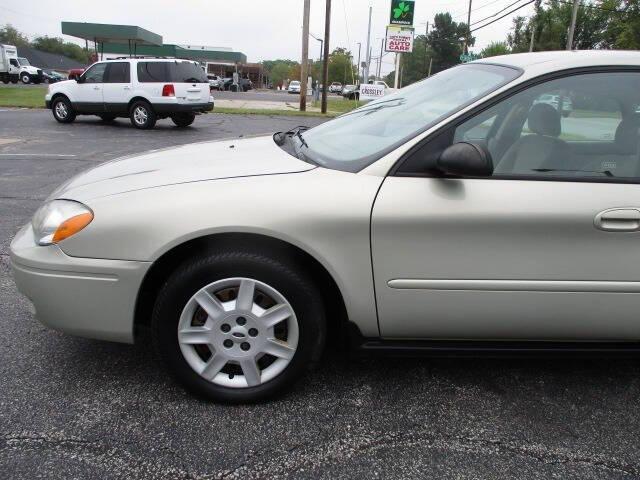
[117,72]
[577,126]
[176,72]
[95,74]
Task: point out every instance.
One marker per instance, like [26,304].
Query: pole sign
[402,12]
[399,39]
[371,92]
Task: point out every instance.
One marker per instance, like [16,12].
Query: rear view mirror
[466,159]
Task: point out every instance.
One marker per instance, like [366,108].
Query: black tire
[295,285]
[26,79]
[5,81]
[107,117]
[183,119]
[58,113]
[150,119]
[15,80]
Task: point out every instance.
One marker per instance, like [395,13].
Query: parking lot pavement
[76,408]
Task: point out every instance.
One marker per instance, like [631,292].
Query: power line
[462,13]
[595,7]
[505,15]
[498,12]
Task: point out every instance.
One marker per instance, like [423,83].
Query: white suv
[143,89]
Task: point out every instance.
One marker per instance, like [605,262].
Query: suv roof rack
[138,57]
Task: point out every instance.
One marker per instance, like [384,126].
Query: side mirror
[79,79]
[466,159]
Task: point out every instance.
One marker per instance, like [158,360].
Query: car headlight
[59,219]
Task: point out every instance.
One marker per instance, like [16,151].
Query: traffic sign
[402,12]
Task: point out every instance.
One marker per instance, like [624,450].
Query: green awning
[108,33]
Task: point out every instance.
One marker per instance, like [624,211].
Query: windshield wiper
[544,170]
[377,106]
[302,140]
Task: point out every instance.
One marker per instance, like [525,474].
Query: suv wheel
[238,326]
[62,110]
[142,115]
[183,119]
[25,78]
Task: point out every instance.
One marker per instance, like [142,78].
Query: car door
[117,87]
[547,248]
[89,91]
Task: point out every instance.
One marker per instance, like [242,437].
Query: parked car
[294,87]
[353,93]
[51,76]
[428,222]
[335,87]
[145,90]
[75,73]
[246,84]
[215,82]
[347,90]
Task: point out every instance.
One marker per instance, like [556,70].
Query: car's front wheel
[142,115]
[238,326]
[183,119]
[62,110]
[25,78]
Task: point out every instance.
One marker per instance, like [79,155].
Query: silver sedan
[462,213]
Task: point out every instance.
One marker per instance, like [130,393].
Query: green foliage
[446,41]
[280,70]
[341,68]
[494,49]
[11,36]
[58,45]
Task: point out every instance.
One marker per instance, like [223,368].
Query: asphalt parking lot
[77,408]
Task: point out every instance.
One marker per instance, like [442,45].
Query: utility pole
[359,67]
[325,64]
[305,56]
[533,34]
[430,63]
[396,81]
[468,36]
[382,40]
[367,51]
[572,27]
[426,47]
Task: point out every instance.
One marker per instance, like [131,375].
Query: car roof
[543,62]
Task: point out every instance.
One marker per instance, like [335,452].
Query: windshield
[24,62]
[358,138]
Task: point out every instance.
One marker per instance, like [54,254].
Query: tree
[58,45]
[280,70]
[494,49]
[11,36]
[341,68]
[446,40]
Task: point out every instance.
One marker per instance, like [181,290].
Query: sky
[262,29]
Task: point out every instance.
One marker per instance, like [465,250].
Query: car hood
[188,163]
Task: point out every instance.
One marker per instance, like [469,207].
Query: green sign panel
[402,12]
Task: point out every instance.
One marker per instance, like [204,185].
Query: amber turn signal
[72,226]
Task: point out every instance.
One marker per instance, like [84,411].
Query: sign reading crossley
[402,12]
[399,39]
[371,92]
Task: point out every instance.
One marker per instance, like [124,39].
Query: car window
[14,62]
[95,74]
[175,72]
[358,138]
[153,72]
[574,127]
[117,72]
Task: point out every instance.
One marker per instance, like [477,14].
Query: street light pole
[368,49]
[325,65]
[572,27]
[305,55]
[468,35]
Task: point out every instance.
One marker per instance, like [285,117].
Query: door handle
[618,220]
[127,88]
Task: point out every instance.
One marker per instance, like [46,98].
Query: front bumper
[87,297]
